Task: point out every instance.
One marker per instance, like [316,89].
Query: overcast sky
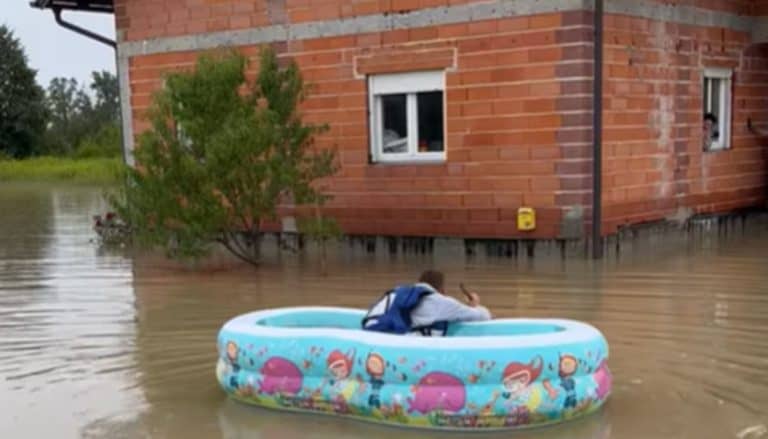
[55,51]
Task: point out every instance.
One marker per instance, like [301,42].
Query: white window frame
[409,84]
[724,117]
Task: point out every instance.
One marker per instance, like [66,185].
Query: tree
[71,115]
[220,157]
[104,141]
[22,111]
[106,90]
[82,126]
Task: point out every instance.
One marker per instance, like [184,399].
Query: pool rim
[573,332]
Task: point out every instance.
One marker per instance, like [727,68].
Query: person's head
[434,278]
[710,122]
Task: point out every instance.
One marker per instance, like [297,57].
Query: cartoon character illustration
[280,376]
[233,351]
[603,380]
[375,366]
[340,367]
[517,379]
[566,370]
[438,391]
[247,389]
[518,376]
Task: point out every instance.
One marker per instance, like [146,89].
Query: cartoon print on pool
[566,369]
[603,381]
[438,391]
[339,364]
[280,376]
[343,387]
[375,365]
[232,352]
[522,397]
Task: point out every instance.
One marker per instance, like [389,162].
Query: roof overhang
[59,6]
[106,6]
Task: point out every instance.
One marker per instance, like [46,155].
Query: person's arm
[437,307]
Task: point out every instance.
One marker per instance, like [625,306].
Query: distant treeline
[62,120]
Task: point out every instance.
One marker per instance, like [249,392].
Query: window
[407,117]
[717,109]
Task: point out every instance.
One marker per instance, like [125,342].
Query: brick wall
[654,163]
[518,118]
[519,108]
[744,7]
[142,19]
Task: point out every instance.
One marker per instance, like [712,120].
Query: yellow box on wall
[526,219]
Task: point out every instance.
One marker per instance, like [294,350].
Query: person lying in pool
[422,308]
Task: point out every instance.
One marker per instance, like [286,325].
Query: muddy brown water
[95,343]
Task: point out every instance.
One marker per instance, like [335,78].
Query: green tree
[106,91]
[22,111]
[220,156]
[103,118]
[71,115]
[104,142]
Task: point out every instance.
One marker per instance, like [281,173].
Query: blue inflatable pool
[509,373]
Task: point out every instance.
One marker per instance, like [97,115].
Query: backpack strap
[436,326]
[391,313]
[368,317]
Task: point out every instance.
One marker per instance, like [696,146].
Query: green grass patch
[85,170]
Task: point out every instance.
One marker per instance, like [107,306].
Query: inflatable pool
[499,374]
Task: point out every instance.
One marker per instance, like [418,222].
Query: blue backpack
[394,312]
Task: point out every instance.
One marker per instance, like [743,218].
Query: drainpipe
[80,30]
[102,39]
[597,135]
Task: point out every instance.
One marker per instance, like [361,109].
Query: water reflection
[66,337]
[239,422]
[102,346]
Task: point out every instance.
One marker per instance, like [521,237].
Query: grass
[88,170]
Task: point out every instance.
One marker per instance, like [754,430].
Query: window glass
[430,114]
[394,119]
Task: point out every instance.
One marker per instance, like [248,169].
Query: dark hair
[434,278]
[711,117]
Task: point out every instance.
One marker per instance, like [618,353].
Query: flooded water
[97,344]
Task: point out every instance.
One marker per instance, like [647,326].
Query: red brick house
[449,115]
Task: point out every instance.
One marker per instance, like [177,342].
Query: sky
[54,51]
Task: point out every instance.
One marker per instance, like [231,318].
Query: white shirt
[438,307]
[433,308]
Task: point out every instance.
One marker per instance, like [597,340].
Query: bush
[220,156]
[105,143]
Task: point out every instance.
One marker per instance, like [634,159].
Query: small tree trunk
[323,254]
[255,239]
[323,258]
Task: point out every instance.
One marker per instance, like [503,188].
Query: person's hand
[473,299]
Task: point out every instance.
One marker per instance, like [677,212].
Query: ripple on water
[99,346]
